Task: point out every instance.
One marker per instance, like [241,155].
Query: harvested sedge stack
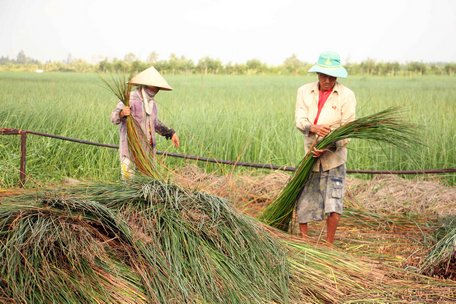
[141,242]
[441,259]
[152,242]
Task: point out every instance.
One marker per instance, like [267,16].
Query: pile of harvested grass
[386,196]
[141,243]
[150,242]
[249,193]
[376,223]
[441,259]
[392,195]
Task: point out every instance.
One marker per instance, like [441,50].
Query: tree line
[206,65]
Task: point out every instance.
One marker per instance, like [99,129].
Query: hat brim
[151,77]
[335,72]
[163,88]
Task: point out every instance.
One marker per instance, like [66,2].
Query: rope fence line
[23,134]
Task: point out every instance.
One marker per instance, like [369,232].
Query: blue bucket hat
[329,64]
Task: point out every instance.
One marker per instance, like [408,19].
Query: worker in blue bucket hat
[322,106]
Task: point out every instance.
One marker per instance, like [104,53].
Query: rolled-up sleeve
[163,130]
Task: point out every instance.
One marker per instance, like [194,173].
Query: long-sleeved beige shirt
[338,110]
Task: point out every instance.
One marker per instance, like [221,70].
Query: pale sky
[230,30]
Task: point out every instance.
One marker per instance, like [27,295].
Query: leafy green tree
[416,67]
[138,66]
[119,66]
[81,66]
[208,65]
[255,66]
[21,58]
[368,67]
[69,58]
[450,68]
[130,57]
[104,66]
[293,65]
[152,58]
[235,68]
[180,64]
[5,60]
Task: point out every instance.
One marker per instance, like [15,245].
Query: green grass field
[245,118]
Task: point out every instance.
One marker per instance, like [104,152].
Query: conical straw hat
[151,77]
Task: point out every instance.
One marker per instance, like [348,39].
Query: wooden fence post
[22,175]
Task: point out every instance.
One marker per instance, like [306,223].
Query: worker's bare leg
[331,225]
[303,228]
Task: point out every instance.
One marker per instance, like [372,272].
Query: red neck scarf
[322,97]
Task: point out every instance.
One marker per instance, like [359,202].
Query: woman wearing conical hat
[321,106]
[143,109]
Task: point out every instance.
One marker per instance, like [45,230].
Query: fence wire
[23,133]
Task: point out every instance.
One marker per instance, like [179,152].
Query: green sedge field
[395,242]
[231,117]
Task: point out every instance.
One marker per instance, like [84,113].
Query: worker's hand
[175,140]
[125,112]
[320,130]
[317,153]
